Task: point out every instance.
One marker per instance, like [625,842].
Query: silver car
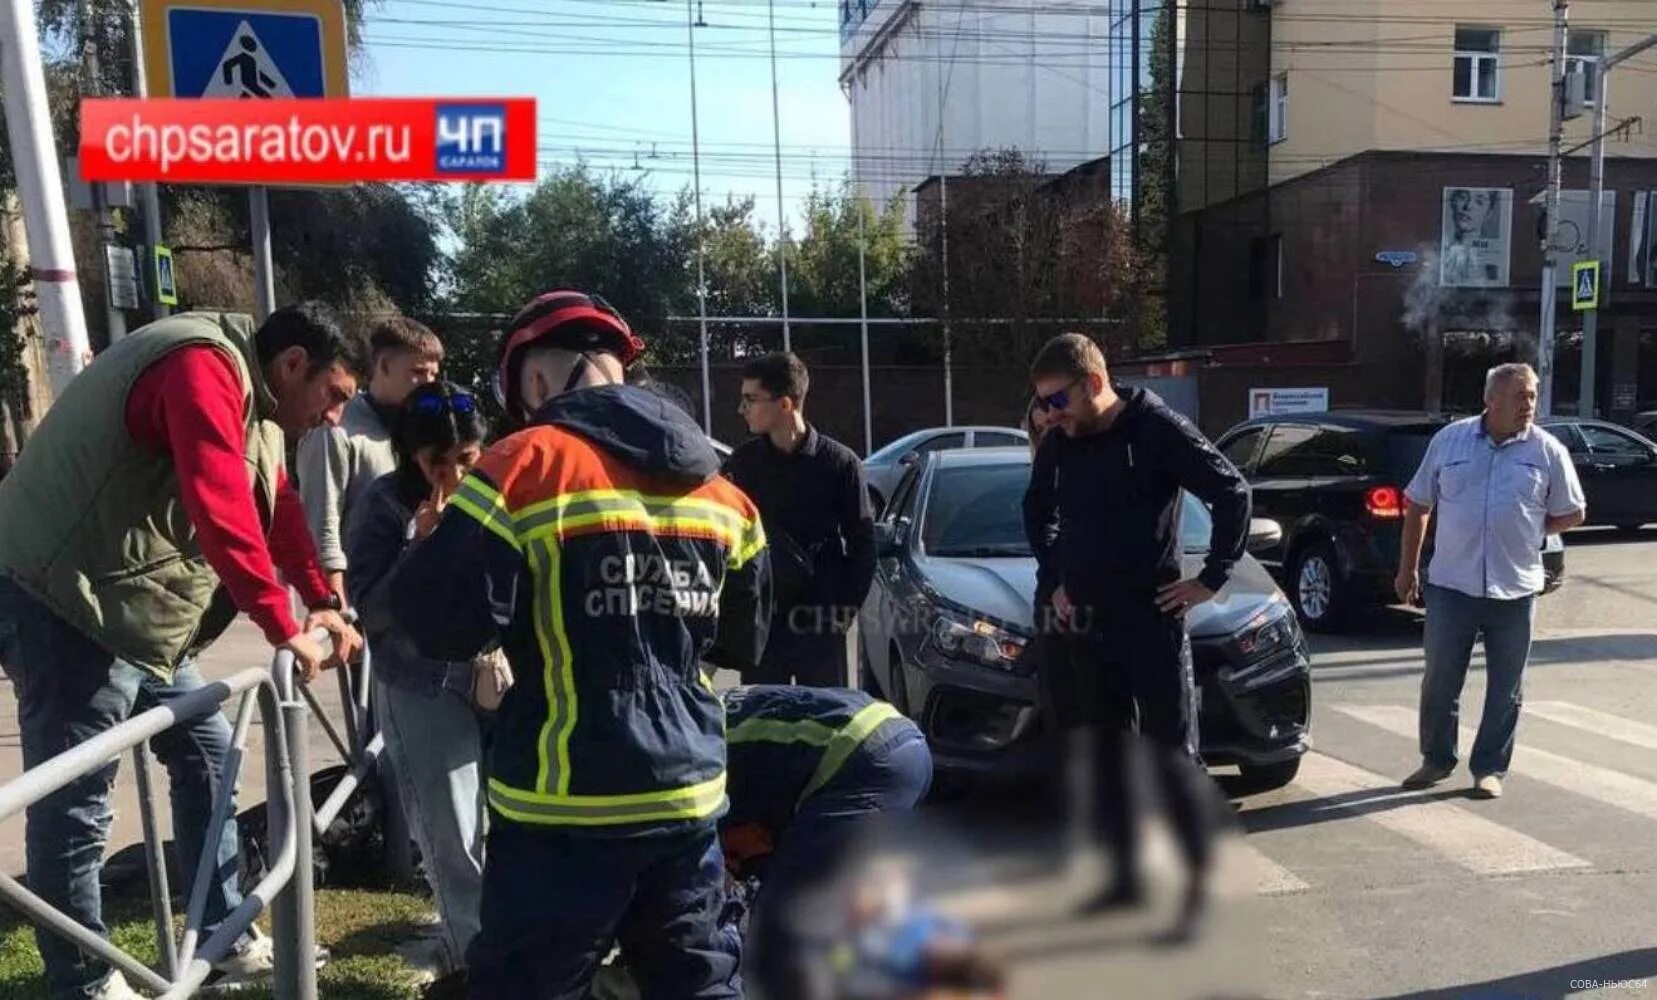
[944,627]
[885,467]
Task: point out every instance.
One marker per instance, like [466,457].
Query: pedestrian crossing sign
[1585,285]
[245,48]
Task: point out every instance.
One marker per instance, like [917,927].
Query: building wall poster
[1476,237]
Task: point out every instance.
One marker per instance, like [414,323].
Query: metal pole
[293,917]
[949,371]
[115,321]
[264,278]
[40,188]
[1596,190]
[161,901]
[782,217]
[863,311]
[701,249]
[150,190]
[1556,132]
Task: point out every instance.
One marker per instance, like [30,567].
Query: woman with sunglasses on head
[430,710]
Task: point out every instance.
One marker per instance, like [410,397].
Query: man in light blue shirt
[1497,486]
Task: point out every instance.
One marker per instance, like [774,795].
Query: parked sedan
[885,467]
[1618,469]
[951,610]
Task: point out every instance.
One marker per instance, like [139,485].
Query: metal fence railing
[287,887]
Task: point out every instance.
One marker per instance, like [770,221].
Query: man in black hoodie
[1103,517]
[601,549]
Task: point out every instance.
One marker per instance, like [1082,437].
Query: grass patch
[360,928]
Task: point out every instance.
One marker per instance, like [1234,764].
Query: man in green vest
[156,480]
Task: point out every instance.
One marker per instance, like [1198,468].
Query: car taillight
[1384,503]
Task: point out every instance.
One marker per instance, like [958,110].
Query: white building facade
[930,83]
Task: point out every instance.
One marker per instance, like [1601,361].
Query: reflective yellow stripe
[780,731]
[553,750]
[571,505]
[618,519]
[692,802]
[744,553]
[848,739]
[476,499]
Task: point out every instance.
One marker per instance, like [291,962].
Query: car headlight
[976,641]
[1272,631]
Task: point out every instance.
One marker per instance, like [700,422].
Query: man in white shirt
[1498,486]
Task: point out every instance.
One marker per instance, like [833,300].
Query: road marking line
[1478,844]
[1594,721]
[1263,875]
[1624,791]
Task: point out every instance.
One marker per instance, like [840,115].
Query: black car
[1618,469]
[944,627]
[1335,484]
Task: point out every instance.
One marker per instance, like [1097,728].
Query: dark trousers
[1131,678]
[807,646]
[69,690]
[783,962]
[554,903]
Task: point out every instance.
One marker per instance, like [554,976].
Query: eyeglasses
[433,405]
[1056,400]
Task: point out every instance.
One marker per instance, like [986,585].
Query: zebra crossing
[1572,756]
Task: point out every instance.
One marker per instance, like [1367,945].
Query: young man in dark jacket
[810,491]
[1103,517]
[601,548]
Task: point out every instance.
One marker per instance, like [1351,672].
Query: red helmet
[567,319]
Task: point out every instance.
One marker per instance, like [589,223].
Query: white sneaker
[254,958]
[116,988]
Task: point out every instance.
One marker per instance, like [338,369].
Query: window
[1261,113]
[1279,457]
[901,507]
[977,512]
[1584,50]
[1279,123]
[943,442]
[1614,445]
[1478,64]
[1266,268]
[997,439]
[1240,449]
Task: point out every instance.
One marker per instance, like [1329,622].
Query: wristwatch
[333,603]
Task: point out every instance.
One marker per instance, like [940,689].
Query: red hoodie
[188,406]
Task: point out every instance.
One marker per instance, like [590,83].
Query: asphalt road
[1342,885]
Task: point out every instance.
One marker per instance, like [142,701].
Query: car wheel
[1266,777]
[1318,588]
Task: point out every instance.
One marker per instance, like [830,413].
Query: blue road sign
[231,53]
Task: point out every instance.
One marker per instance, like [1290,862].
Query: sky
[612,83]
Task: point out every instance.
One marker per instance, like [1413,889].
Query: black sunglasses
[431,406]
[1057,400]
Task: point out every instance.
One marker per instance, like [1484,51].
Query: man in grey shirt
[336,465]
[1498,486]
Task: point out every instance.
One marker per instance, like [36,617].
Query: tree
[1027,250]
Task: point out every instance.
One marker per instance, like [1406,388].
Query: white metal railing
[287,888]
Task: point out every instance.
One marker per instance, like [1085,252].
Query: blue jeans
[436,749]
[1454,620]
[69,690]
[554,901]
